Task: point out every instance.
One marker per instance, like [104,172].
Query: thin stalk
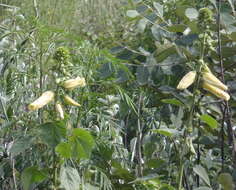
[139,137]
[227,116]
[180,181]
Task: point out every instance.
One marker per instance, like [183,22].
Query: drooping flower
[60,111]
[216,91]
[73,83]
[70,101]
[43,100]
[187,80]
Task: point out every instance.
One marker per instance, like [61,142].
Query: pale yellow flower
[73,83]
[43,100]
[187,80]
[70,101]
[60,111]
[216,91]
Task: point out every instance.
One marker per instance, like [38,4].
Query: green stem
[181,171]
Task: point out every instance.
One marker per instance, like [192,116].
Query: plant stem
[181,171]
[227,115]
[139,137]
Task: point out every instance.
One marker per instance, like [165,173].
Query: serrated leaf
[82,143]
[199,170]
[20,145]
[209,121]
[30,176]
[52,133]
[64,150]
[69,178]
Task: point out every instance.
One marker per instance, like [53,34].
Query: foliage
[131,127]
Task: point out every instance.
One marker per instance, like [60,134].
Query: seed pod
[216,91]
[211,79]
[187,80]
[73,83]
[70,101]
[60,111]
[43,100]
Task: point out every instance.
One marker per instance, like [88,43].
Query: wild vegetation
[115,94]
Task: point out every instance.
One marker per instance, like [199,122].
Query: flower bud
[70,101]
[187,80]
[216,91]
[211,79]
[73,83]
[60,111]
[43,100]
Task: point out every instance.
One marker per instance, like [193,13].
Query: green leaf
[191,13]
[30,176]
[177,28]
[173,101]
[52,133]
[64,150]
[167,132]
[199,170]
[20,145]
[132,13]
[82,143]
[226,180]
[142,75]
[209,120]
[159,9]
[69,178]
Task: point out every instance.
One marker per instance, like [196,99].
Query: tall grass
[90,18]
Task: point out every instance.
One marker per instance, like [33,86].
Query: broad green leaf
[64,150]
[191,13]
[173,101]
[20,145]
[209,121]
[226,180]
[106,70]
[82,143]
[199,170]
[52,133]
[159,8]
[167,132]
[132,13]
[69,178]
[30,176]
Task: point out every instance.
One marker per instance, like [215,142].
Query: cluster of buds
[209,82]
[205,18]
